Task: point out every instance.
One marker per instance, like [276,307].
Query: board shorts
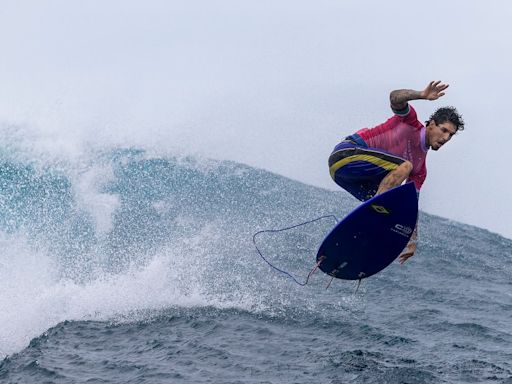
[359,169]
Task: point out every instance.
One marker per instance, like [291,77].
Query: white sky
[273,84]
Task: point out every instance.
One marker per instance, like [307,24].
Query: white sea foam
[35,295]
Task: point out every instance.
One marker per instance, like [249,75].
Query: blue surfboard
[371,236]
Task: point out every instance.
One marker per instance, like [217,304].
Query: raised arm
[400,97]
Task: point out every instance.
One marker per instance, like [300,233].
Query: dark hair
[445,114]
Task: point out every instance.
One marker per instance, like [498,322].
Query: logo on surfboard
[403,230]
[381,209]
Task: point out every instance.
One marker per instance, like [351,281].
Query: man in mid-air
[374,160]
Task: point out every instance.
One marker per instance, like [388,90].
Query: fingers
[434,90]
[403,258]
[441,87]
[436,85]
[408,252]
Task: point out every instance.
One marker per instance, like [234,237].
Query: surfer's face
[438,134]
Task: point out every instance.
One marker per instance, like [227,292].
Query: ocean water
[133,267]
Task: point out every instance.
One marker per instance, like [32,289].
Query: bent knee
[406,166]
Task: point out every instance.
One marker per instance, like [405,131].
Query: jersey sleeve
[401,112]
[408,115]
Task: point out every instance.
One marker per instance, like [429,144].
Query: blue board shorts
[358,168]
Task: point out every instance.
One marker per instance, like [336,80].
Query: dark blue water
[131,268]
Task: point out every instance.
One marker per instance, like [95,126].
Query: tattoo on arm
[400,97]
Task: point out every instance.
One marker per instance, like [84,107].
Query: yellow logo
[380,209]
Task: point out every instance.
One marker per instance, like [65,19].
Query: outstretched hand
[434,90]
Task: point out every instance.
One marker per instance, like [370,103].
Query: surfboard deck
[371,236]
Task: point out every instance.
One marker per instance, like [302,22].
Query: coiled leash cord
[287,229]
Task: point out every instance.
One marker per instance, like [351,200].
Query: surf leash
[287,229]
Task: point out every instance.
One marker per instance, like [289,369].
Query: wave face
[130,267]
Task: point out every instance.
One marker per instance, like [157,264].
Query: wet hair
[447,114]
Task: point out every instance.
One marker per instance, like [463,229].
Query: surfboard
[371,236]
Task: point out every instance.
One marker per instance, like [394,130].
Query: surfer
[374,160]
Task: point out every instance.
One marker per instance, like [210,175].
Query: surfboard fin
[315,268]
[358,284]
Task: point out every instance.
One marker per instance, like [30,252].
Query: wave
[124,230]
[129,231]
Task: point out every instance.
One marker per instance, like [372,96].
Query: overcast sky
[273,84]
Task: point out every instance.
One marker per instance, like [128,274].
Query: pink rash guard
[404,136]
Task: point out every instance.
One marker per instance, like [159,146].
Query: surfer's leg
[396,177]
[360,170]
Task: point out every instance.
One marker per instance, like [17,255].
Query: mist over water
[273,85]
[115,248]
[118,231]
